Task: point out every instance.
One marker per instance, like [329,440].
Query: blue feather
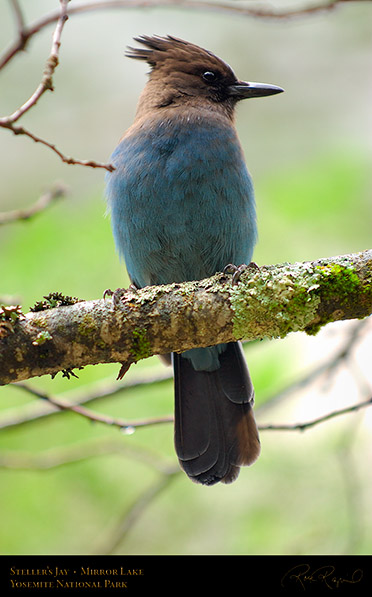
[181,200]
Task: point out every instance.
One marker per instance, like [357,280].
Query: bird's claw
[237,270]
[117,294]
[108,293]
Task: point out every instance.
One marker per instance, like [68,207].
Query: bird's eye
[209,77]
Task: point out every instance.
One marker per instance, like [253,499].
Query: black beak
[244,90]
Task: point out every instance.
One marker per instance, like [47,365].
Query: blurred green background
[309,152]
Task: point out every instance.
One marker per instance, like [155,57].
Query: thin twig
[42,409]
[129,518]
[129,426]
[226,7]
[80,451]
[46,84]
[56,457]
[20,21]
[40,205]
[326,367]
[122,424]
[308,424]
[19,130]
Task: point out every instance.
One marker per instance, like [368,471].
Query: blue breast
[181,200]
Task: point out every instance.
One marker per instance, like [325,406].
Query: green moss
[10,313]
[140,348]
[338,281]
[54,299]
[278,300]
[41,323]
[41,338]
[87,327]
[274,302]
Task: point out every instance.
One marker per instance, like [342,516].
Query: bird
[182,208]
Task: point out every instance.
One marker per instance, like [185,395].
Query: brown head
[185,74]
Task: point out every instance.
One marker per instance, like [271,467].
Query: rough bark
[267,302]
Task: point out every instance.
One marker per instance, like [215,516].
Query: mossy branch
[267,302]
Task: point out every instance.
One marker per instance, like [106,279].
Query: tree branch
[46,84]
[129,517]
[20,21]
[326,369]
[309,424]
[27,32]
[41,204]
[127,427]
[20,130]
[44,408]
[268,302]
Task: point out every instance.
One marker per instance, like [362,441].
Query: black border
[179,575]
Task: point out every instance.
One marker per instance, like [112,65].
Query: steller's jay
[182,208]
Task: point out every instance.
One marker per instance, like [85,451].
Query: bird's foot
[116,301]
[117,294]
[237,270]
[108,293]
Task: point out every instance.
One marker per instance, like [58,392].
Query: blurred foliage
[309,154]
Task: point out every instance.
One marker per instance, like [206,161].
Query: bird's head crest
[171,51]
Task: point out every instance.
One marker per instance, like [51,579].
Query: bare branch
[64,455]
[129,517]
[47,79]
[58,456]
[225,7]
[19,130]
[124,426]
[20,21]
[269,302]
[46,84]
[129,426]
[44,408]
[40,205]
[307,425]
[326,368]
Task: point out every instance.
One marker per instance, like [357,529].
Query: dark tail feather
[215,429]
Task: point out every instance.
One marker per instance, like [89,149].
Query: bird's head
[182,72]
